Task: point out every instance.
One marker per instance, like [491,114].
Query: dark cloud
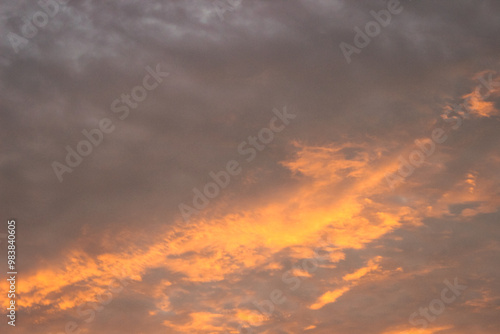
[319,176]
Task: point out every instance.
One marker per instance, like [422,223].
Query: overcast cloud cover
[320,221]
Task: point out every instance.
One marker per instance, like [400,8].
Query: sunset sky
[251,166]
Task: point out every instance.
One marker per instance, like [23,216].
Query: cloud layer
[349,220]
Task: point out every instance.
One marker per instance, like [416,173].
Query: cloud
[320,182]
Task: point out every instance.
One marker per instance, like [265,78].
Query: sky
[251,166]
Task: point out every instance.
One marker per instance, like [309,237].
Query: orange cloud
[352,279]
[331,200]
[406,330]
[372,265]
[200,321]
[328,297]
